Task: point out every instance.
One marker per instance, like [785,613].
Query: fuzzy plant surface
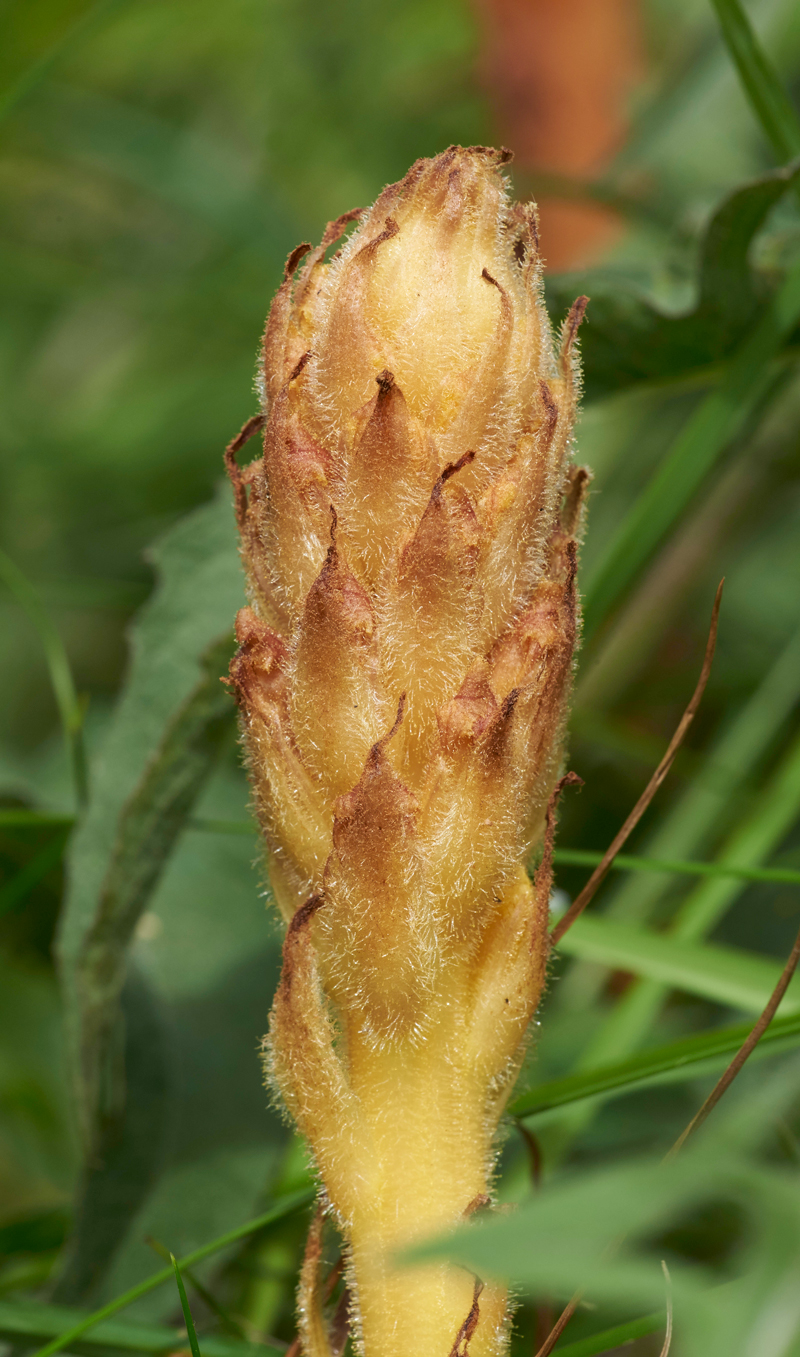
[409,537]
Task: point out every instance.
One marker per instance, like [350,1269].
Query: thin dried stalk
[602,869]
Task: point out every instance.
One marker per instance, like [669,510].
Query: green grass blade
[569,857]
[40,69]
[70,709]
[187,1314]
[693,455]
[34,1321]
[760,81]
[211,1302]
[283,1207]
[584,857]
[706,806]
[777,809]
[19,887]
[689,1058]
[611,1339]
[725,975]
[632,1017]
[34,819]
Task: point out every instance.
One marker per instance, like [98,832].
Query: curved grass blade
[34,1322]
[758,835]
[745,1051]
[283,1207]
[34,819]
[226,1320]
[569,857]
[582,857]
[760,81]
[611,1339]
[41,68]
[600,872]
[706,806]
[753,839]
[70,708]
[187,1314]
[689,1058]
[726,975]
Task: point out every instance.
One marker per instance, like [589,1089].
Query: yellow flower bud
[403,675]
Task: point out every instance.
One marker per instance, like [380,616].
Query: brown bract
[409,539]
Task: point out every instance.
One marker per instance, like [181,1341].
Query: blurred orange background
[560,74]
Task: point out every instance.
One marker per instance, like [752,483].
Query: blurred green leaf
[64,42]
[758,834]
[14,892]
[593,1230]
[580,1230]
[69,705]
[34,1234]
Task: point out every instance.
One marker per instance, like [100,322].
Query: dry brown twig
[721,1087]
[601,871]
[744,1052]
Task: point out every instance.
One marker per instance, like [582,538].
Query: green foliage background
[157,163]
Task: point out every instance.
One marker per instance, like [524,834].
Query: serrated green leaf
[161,746]
[724,974]
[627,340]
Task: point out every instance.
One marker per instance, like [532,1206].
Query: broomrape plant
[410,541]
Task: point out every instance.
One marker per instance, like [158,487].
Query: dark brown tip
[572,324]
[252,426]
[385,381]
[376,752]
[453,467]
[304,913]
[550,409]
[298,367]
[390,229]
[299,252]
[336,229]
